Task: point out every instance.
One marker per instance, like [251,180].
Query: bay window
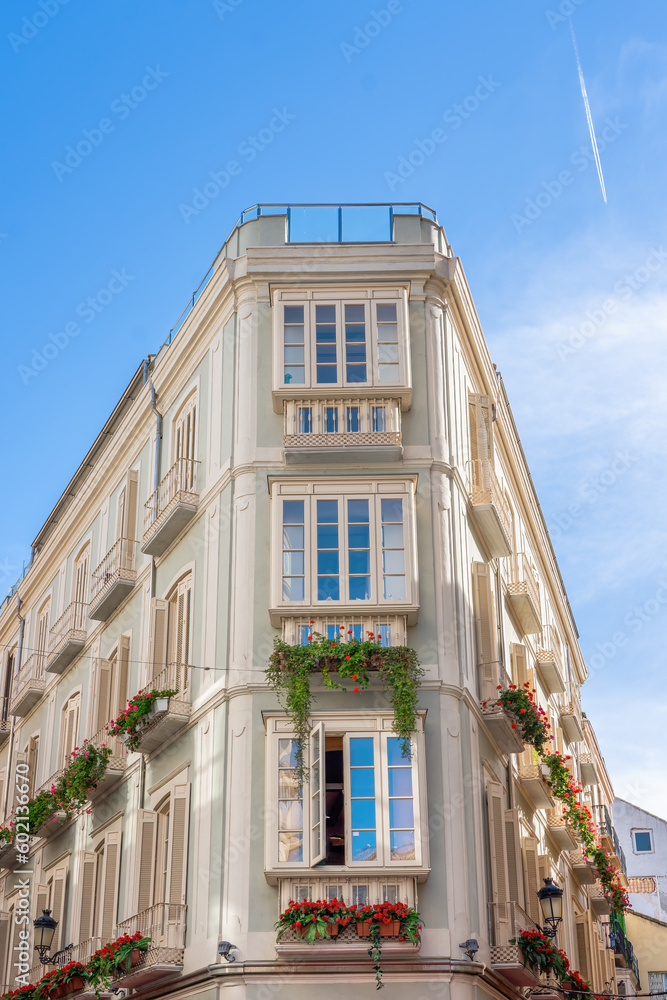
[361,805]
[344,545]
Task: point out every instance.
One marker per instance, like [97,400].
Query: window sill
[275,875]
[341,611]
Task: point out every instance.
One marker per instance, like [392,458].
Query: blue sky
[572,293]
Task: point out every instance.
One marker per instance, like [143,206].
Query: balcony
[171,507]
[170,715]
[570,716]
[499,724]
[582,869]
[342,431]
[624,953]
[115,766]
[609,838]
[82,952]
[523,596]
[559,829]
[589,774]
[391,629]
[597,900]
[113,579]
[67,637]
[549,660]
[532,776]
[5,722]
[164,924]
[490,507]
[509,920]
[28,685]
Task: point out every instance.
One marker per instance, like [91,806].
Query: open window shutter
[485,628]
[145,861]
[110,905]
[513,851]
[87,895]
[178,849]
[480,409]
[21,758]
[584,965]
[2,806]
[532,880]
[157,643]
[41,899]
[122,514]
[16,941]
[33,754]
[5,934]
[519,664]
[122,673]
[58,903]
[318,826]
[131,490]
[498,858]
[103,678]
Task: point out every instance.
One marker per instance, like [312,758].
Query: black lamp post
[45,928]
[551,903]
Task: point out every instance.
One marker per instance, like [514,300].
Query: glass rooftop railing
[343,223]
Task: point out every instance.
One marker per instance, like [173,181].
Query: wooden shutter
[513,852]
[21,758]
[317,792]
[81,583]
[58,889]
[485,629]
[11,968]
[103,685]
[480,409]
[122,673]
[145,860]
[3,775]
[157,643]
[110,885]
[70,728]
[178,849]
[87,895]
[583,963]
[498,859]
[519,664]
[532,879]
[131,491]
[5,934]
[33,755]
[41,899]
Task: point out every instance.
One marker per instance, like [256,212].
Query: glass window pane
[294,314]
[327,536]
[395,753]
[392,561]
[326,354]
[325,314]
[292,511]
[392,536]
[388,373]
[364,847]
[386,353]
[400,780]
[386,313]
[294,375]
[290,815]
[402,845]
[292,536]
[331,420]
[354,353]
[326,375]
[354,314]
[328,588]
[293,588]
[327,510]
[293,563]
[293,335]
[355,373]
[387,333]
[363,814]
[290,846]
[358,536]
[286,753]
[400,814]
[392,510]
[327,562]
[362,781]
[357,510]
[360,588]
[352,419]
[294,355]
[355,335]
[361,752]
[379,419]
[360,562]
[394,588]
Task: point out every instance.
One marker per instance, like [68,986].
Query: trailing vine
[340,660]
[531,721]
[538,950]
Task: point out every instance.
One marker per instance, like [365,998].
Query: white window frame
[373,490]
[643,829]
[370,297]
[379,726]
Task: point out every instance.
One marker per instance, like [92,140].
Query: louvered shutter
[33,755]
[178,849]
[145,860]
[11,968]
[480,409]
[317,791]
[21,758]
[87,895]
[122,673]
[70,728]
[583,965]
[157,644]
[498,858]
[2,801]
[41,899]
[519,664]
[5,934]
[103,685]
[485,629]
[58,890]
[110,876]
[513,852]
[121,517]
[131,491]
[532,880]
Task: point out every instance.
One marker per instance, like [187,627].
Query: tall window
[170,639]
[360,806]
[69,728]
[345,549]
[80,586]
[162,859]
[97,890]
[184,438]
[341,343]
[110,686]
[42,638]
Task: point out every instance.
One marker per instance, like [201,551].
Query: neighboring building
[323,439]
[649,937]
[644,840]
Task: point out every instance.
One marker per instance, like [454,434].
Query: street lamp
[551,904]
[45,928]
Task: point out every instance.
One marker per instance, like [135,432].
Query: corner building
[323,441]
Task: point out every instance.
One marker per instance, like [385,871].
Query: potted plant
[140,712]
[314,919]
[73,977]
[386,920]
[115,959]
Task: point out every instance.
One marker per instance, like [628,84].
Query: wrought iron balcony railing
[609,837]
[28,685]
[114,579]
[170,507]
[67,637]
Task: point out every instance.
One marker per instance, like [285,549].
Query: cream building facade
[324,438]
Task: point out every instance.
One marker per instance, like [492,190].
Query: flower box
[503,729]
[332,927]
[75,984]
[160,706]
[509,961]
[392,929]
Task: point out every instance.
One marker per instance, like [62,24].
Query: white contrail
[588,116]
